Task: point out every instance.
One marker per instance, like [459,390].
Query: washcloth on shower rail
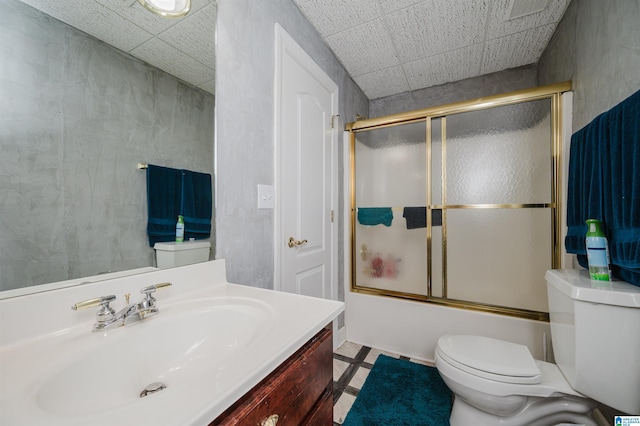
[604,184]
[173,192]
[416,217]
[371,216]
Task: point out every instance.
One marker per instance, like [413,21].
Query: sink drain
[152,388]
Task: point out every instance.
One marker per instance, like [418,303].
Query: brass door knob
[295,243]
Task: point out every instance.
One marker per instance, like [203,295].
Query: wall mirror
[78,114]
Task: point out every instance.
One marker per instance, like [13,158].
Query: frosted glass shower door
[498,197]
[390,174]
[458,205]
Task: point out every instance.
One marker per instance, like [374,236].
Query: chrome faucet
[106,317]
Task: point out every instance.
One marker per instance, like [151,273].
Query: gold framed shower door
[551,92]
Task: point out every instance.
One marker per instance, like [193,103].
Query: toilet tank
[595,330]
[171,254]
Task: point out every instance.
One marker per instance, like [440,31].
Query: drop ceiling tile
[433,27]
[333,16]
[383,83]
[365,48]
[516,50]
[389,6]
[160,54]
[372,38]
[499,25]
[195,36]
[94,19]
[444,68]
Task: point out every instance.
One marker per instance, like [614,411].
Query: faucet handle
[91,303]
[148,305]
[105,315]
[152,288]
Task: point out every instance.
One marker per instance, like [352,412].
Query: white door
[306,175]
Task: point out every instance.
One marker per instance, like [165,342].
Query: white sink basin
[183,342]
[210,343]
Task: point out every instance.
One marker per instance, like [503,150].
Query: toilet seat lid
[490,358]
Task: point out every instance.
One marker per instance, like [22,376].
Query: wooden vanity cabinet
[298,392]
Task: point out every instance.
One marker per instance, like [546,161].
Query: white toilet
[172,254]
[595,330]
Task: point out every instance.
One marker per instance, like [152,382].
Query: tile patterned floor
[351,366]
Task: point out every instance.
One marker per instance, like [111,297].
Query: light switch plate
[266,197]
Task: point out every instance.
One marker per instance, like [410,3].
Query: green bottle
[597,251]
[180,229]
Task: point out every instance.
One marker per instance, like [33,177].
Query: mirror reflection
[77,116]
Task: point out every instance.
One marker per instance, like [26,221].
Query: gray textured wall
[244,126]
[76,115]
[485,85]
[597,46]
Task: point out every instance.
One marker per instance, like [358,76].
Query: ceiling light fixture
[167,8]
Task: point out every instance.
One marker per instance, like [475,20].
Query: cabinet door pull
[272,420]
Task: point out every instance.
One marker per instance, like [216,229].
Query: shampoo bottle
[597,251]
[180,230]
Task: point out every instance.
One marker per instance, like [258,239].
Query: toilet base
[537,412]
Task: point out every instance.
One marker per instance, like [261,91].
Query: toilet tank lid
[576,284]
[186,245]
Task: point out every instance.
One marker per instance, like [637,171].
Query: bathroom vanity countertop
[211,343]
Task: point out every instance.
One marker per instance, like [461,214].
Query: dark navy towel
[173,192]
[164,191]
[604,184]
[197,201]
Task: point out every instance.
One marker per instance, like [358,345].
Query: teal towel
[375,216]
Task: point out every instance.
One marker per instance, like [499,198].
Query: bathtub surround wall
[77,116]
[245,129]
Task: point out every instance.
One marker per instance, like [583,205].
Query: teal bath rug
[399,392]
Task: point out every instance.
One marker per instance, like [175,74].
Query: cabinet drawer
[322,414]
[291,391]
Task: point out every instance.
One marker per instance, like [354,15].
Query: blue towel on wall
[197,200]
[604,184]
[173,192]
[375,216]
